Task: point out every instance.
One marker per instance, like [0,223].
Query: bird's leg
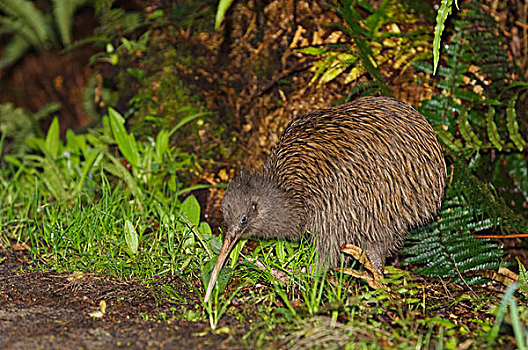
[278,274]
[359,254]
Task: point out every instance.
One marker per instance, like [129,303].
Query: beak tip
[208,293]
[222,256]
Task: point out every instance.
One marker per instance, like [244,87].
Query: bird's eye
[254,206]
[243,219]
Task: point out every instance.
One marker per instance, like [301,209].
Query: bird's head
[252,207]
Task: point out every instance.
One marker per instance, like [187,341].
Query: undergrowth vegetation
[120,202]
[478,112]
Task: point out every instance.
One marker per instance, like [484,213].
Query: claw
[371,278]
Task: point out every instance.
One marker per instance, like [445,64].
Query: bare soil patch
[54,311]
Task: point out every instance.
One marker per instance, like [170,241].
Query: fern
[378,41]
[360,58]
[476,113]
[468,115]
[63,11]
[13,50]
[32,28]
[17,126]
[445,253]
[25,12]
[483,196]
[368,88]
[351,17]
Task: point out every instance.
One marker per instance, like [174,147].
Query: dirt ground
[46,310]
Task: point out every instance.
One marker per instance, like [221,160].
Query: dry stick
[462,278]
[522,25]
[451,175]
[446,289]
[515,235]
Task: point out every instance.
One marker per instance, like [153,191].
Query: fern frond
[26,12]
[447,248]
[131,21]
[364,88]
[19,28]
[365,53]
[482,195]
[13,51]
[467,133]
[512,125]
[63,11]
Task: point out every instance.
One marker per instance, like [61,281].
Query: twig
[515,235]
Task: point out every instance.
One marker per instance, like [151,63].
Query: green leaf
[223,276]
[501,312]
[223,6]
[63,11]
[323,65]
[518,330]
[131,237]
[36,143]
[186,120]
[162,145]
[54,181]
[523,278]
[441,17]
[13,160]
[215,243]
[14,50]
[467,133]
[313,51]
[53,143]
[344,61]
[204,228]
[235,252]
[47,110]
[71,141]
[198,187]
[73,149]
[448,139]
[75,142]
[126,142]
[190,209]
[512,125]
[493,132]
[119,170]
[90,157]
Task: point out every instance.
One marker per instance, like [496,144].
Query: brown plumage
[363,173]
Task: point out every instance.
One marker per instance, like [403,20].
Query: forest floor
[48,310]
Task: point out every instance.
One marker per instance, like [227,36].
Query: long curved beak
[228,244]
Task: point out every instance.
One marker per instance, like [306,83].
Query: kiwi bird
[363,173]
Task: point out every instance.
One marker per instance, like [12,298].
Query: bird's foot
[278,274]
[373,278]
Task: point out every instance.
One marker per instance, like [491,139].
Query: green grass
[132,224]
[89,234]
